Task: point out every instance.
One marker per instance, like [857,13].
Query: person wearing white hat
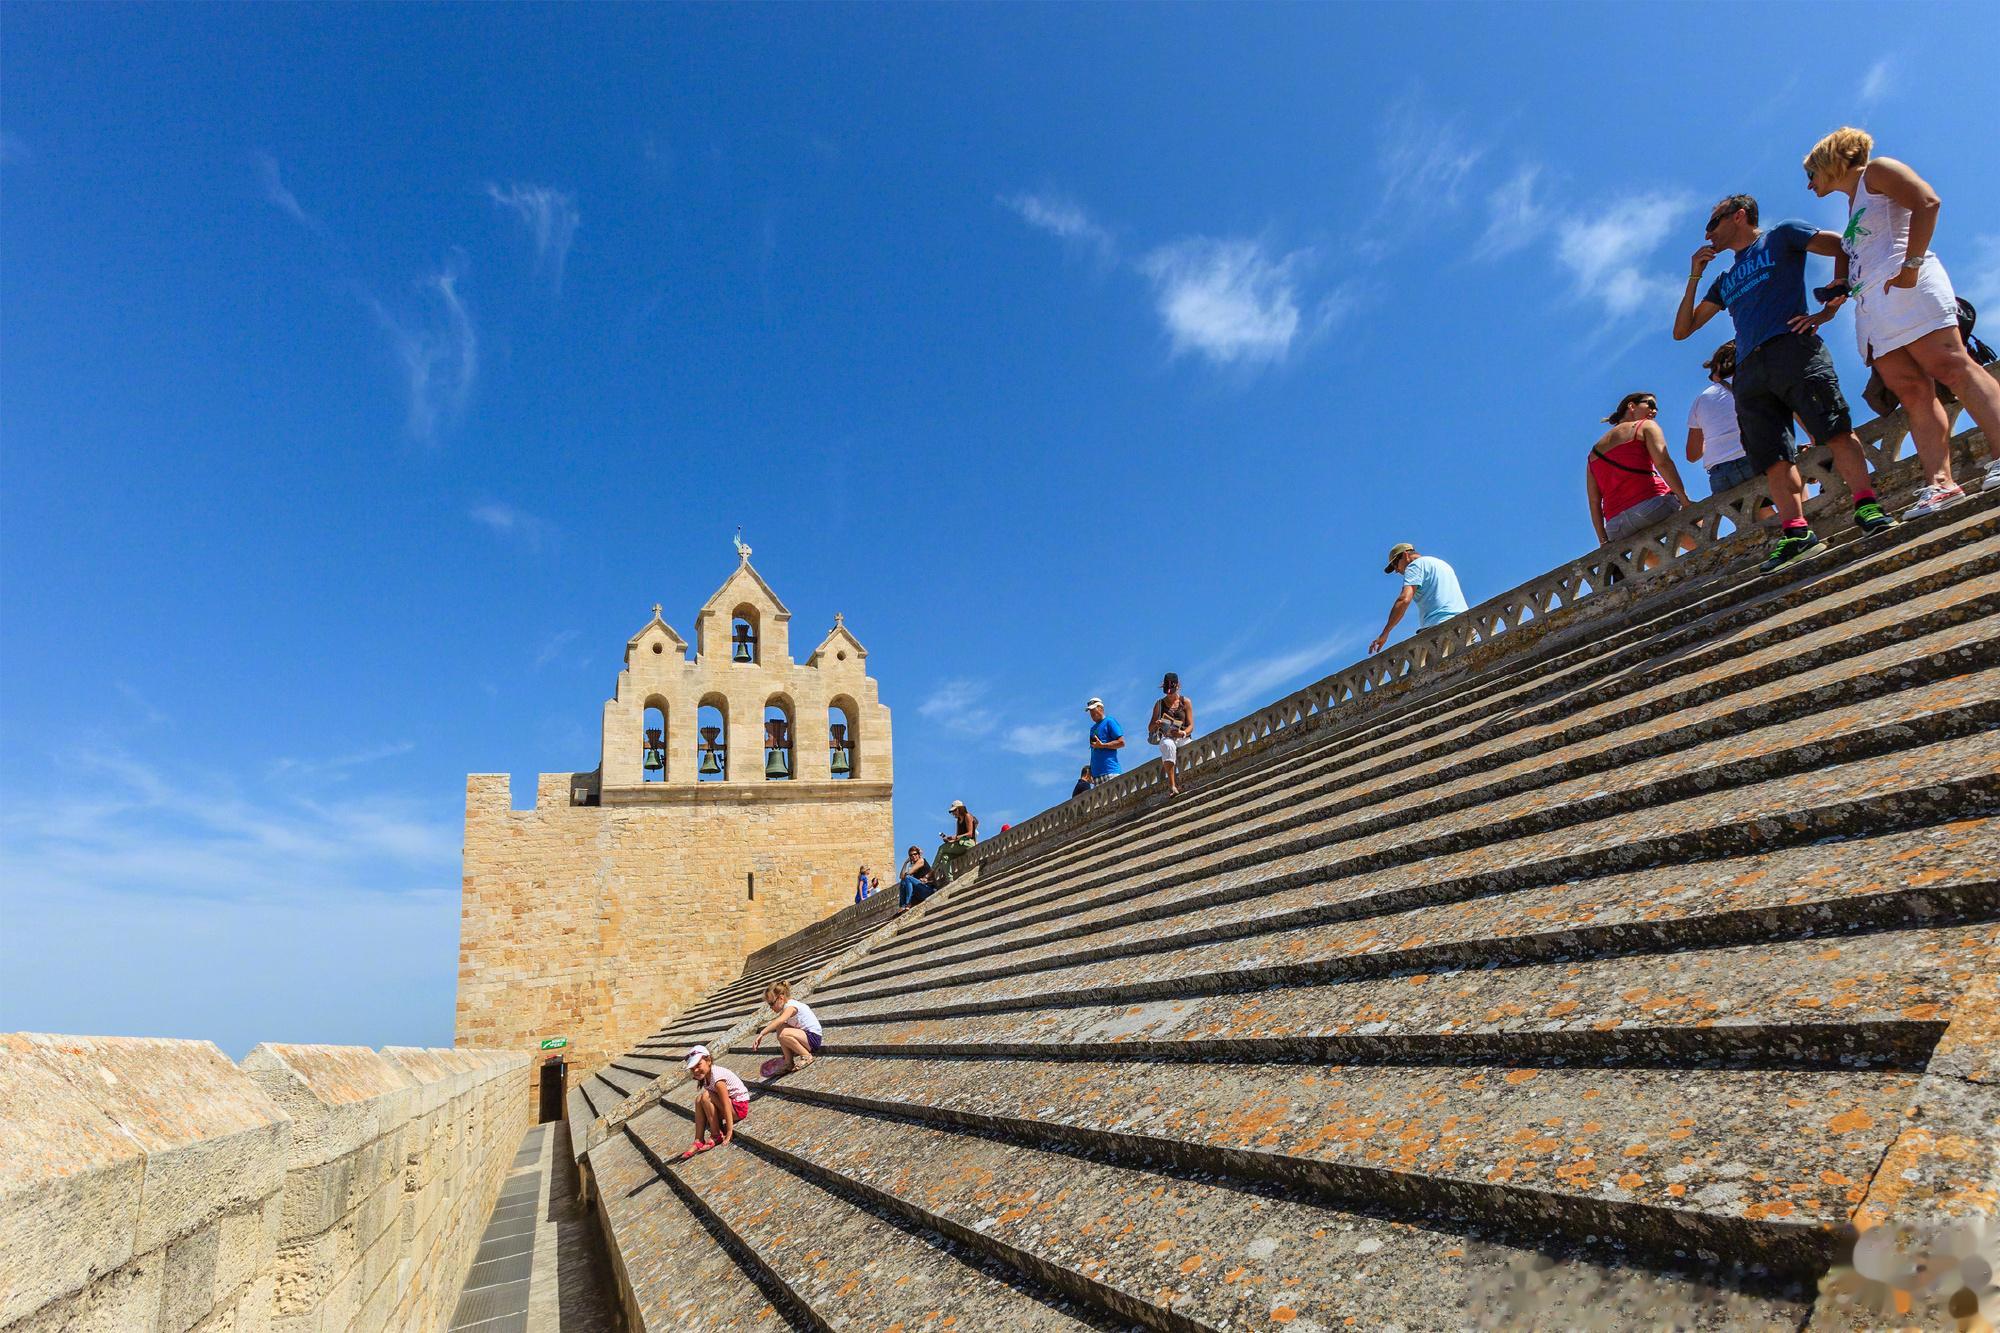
[1107,738]
[720,1102]
[956,844]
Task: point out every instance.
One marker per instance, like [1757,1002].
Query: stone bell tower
[736,792]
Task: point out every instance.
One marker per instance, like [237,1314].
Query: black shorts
[1791,373]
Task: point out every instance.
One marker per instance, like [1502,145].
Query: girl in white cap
[721,1101]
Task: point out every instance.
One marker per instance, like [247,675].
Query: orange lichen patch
[1561,1007]
[1233,1274]
[1851,1122]
[1163,1247]
[1631,1180]
[1519,1076]
[1284,1314]
[1189,1265]
[1677,1190]
[1758,1212]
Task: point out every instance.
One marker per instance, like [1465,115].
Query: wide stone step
[1769,1163]
[677,1273]
[1322,816]
[1889,670]
[1367,927]
[1874,998]
[1887,792]
[1189,1252]
[1884,581]
[840,1261]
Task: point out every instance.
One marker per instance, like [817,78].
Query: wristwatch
[1917,262]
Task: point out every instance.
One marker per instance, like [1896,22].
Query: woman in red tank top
[1629,477]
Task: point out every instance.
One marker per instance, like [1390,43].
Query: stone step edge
[1889,1045]
[783,1297]
[1875,742]
[1775,710]
[1351,764]
[1742,601]
[1030,1265]
[1849,914]
[1510,1214]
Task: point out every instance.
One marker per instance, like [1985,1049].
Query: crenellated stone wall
[152,1184]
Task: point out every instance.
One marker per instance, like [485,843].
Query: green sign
[554,1043]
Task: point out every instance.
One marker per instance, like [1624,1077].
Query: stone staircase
[1610,981]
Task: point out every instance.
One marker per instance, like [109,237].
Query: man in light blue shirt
[1429,582]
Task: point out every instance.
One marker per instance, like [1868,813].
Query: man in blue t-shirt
[1782,368]
[1106,740]
[1427,581]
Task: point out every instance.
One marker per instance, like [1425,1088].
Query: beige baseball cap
[1397,551]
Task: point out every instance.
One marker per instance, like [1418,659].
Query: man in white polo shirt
[1713,439]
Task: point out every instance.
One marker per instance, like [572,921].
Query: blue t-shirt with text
[1104,763]
[1438,597]
[1766,286]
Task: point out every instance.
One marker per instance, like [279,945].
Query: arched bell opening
[778,755]
[843,741]
[711,750]
[653,741]
[746,644]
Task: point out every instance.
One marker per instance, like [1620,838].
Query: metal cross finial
[742,551]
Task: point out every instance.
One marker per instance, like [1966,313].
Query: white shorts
[1884,321]
[1170,748]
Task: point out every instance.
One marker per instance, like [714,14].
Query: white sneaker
[1933,498]
[1991,482]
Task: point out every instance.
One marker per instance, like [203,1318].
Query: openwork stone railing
[1621,565]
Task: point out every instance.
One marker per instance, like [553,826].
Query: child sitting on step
[721,1101]
[798,1030]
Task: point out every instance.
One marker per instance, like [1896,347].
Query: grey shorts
[1642,515]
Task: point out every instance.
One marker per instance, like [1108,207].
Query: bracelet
[1918,262]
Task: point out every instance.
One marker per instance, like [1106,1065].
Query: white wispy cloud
[1231,301]
[959,705]
[1064,218]
[1609,255]
[1037,738]
[278,196]
[437,346]
[336,766]
[1424,157]
[1263,679]
[1880,79]
[551,217]
[1980,280]
[1515,217]
[517,524]
[552,647]
[143,708]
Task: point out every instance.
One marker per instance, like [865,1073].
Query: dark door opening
[555,1086]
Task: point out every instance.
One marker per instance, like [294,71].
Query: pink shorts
[742,1109]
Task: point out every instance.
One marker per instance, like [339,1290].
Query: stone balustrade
[152,1184]
[1686,542]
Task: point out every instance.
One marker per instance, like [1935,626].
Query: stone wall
[151,1184]
[595,922]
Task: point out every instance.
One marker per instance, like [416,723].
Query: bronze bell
[656,751]
[711,750]
[840,761]
[742,645]
[777,750]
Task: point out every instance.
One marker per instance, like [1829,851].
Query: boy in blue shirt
[1782,368]
[1106,740]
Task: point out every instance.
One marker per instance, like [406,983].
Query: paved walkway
[538,1269]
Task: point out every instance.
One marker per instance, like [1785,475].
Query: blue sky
[367,373]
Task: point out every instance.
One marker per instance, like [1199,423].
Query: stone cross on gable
[656,610]
[742,551]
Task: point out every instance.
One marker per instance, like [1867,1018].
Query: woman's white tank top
[1877,232]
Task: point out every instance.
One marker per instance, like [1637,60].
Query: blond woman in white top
[1906,314]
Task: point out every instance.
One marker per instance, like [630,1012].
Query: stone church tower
[735,795]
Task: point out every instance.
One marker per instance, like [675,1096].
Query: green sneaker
[1791,550]
[1869,517]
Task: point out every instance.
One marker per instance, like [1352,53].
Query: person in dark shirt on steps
[1782,367]
[914,884]
[956,844]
